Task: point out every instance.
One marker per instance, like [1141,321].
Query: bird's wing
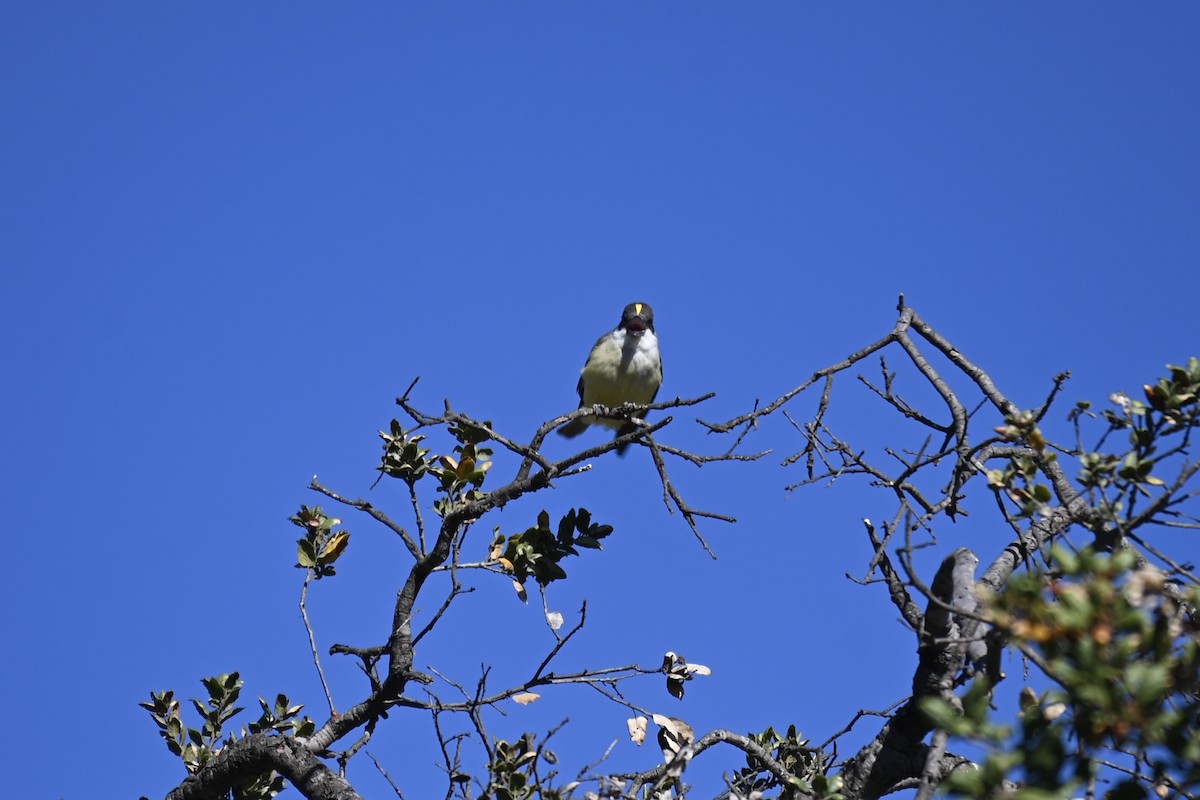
[579,386]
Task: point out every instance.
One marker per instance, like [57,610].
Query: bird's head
[637,319]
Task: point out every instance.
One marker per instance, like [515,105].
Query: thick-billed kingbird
[623,367]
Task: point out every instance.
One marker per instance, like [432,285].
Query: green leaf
[583,520]
[306,554]
[940,713]
[1147,682]
[1064,559]
[566,526]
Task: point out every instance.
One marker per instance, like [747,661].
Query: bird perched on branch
[623,367]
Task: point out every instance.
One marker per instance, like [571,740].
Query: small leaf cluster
[321,545]
[282,717]
[806,765]
[537,551]
[679,671]
[1175,396]
[1018,479]
[459,474]
[1023,428]
[1128,667]
[1155,429]
[1097,470]
[1100,470]
[403,456]
[512,771]
[197,746]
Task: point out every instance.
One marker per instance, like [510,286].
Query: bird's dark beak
[636,326]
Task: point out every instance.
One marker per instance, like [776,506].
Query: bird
[623,367]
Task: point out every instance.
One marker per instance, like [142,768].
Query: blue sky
[233,233]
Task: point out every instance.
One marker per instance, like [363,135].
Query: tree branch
[255,755]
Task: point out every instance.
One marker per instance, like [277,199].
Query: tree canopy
[1072,581]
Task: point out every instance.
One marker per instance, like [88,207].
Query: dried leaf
[521,593]
[637,729]
[554,620]
[525,698]
[673,735]
[698,669]
[334,548]
[684,731]
[677,728]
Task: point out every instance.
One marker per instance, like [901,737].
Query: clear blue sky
[233,233]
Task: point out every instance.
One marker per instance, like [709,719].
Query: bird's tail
[573,428]
[628,427]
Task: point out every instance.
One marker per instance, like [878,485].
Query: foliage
[808,766]
[197,747]
[403,456]
[537,550]
[1110,630]
[321,545]
[513,772]
[1126,661]
[1111,622]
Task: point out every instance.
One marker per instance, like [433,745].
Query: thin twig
[312,640]
[385,775]
[363,505]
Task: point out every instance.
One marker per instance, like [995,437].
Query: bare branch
[653,776]
[385,775]
[312,640]
[363,505]
[899,594]
[671,495]
[561,642]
